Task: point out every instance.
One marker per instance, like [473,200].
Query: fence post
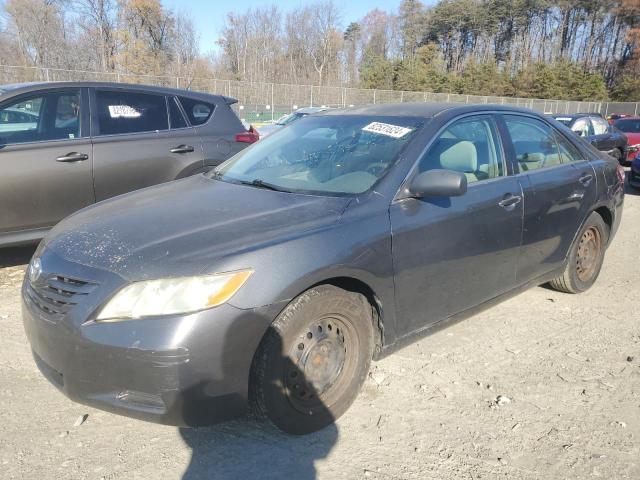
[343,91]
[636,112]
[272,106]
[374,95]
[311,96]
[177,82]
[401,96]
[46,74]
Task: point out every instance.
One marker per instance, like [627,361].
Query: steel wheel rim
[322,357]
[588,254]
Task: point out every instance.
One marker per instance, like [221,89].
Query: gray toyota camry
[274,280]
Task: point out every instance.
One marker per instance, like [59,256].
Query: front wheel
[585,258]
[313,360]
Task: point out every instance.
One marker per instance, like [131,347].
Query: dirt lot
[569,364]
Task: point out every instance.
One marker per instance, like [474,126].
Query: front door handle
[72,157]
[182,149]
[586,179]
[575,196]
[510,201]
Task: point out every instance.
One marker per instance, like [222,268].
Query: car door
[558,185]
[140,139]
[45,158]
[451,254]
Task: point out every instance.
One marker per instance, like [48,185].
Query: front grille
[56,295]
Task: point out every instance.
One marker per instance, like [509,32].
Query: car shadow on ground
[14,256]
[252,447]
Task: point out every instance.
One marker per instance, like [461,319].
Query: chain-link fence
[265,102]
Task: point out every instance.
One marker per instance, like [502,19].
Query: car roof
[423,109]
[18,88]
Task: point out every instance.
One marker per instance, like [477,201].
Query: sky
[209,15]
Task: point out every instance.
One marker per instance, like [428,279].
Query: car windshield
[333,154]
[630,125]
[285,119]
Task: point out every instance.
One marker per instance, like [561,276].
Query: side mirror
[438,183]
[578,132]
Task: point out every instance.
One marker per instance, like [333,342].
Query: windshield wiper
[261,184]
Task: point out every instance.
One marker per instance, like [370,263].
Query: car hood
[184,227]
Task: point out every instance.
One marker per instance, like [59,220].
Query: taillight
[620,173]
[250,136]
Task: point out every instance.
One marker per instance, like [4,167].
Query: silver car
[64,146]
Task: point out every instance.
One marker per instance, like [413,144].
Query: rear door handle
[510,201]
[72,157]
[182,149]
[586,179]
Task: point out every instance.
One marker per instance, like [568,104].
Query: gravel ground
[567,368]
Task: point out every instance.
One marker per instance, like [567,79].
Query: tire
[585,257]
[313,360]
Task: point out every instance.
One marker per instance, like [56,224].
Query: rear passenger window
[130,112]
[175,115]
[568,151]
[469,146]
[533,142]
[198,112]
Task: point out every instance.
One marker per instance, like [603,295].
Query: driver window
[469,146]
[533,142]
[600,126]
[582,127]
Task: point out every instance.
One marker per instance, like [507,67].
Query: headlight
[173,295]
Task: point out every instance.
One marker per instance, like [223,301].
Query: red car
[630,126]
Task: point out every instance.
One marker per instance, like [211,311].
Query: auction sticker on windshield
[387,129]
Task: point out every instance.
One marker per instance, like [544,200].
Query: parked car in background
[66,145]
[597,131]
[634,172]
[289,118]
[630,126]
[278,276]
[612,117]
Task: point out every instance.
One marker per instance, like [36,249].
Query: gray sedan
[275,279]
[64,146]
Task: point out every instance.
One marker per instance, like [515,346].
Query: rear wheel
[585,258]
[313,360]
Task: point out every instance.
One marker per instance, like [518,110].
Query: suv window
[130,112]
[176,117]
[198,112]
[600,125]
[469,146]
[533,141]
[568,151]
[49,116]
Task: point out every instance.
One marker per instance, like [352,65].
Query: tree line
[579,50]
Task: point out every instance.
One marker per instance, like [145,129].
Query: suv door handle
[182,149]
[510,201]
[586,179]
[72,157]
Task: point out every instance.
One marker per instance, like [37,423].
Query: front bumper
[180,370]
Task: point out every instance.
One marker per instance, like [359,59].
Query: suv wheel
[313,360]
[585,258]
